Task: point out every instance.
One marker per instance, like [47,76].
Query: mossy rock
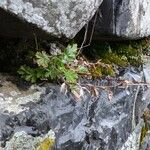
[120,53]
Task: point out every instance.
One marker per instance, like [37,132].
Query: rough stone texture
[13,99]
[125,19]
[22,141]
[58,18]
[133,142]
[89,124]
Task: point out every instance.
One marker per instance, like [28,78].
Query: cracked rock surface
[89,124]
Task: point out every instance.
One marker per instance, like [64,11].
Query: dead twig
[85,35]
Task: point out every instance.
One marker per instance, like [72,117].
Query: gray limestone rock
[123,19]
[58,18]
[102,122]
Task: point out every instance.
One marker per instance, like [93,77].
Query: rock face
[105,122]
[59,18]
[117,19]
[127,19]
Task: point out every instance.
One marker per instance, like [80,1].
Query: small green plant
[64,66]
[53,67]
[67,68]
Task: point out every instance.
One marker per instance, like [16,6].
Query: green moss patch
[120,53]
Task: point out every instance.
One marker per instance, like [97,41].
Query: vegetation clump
[96,61]
[64,66]
[100,59]
[120,53]
[52,66]
[68,67]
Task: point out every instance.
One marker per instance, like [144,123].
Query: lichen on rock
[22,141]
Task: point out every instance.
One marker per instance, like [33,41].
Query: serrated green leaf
[70,53]
[42,59]
[28,74]
[71,76]
[40,73]
[71,50]
[52,67]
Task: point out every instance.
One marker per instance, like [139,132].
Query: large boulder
[29,114]
[123,19]
[22,18]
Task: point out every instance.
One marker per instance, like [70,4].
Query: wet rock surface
[92,123]
[128,19]
[24,18]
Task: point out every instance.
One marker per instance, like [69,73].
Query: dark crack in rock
[124,19]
